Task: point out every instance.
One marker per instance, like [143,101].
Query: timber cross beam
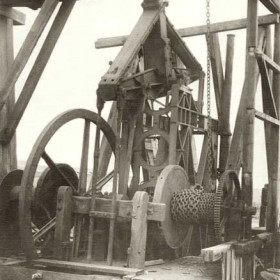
[195,31]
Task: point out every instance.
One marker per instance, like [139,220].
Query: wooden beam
[63,222]
[26,49]
[271,5]
[235,152]
[17,16]
[249,113]
[108,84]
[274,185]
[267,94]
[105,148]
[225,106]
[270,63]
[215,253]
[89,267]
[137,249]
[181,49]
[217,69]
[264,117]
[81,205]
[194,31]
[6,59]
[37,69]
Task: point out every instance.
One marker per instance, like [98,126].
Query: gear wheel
[228,195]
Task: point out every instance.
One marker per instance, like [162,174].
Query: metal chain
[208,77]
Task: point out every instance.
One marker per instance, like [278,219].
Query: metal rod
[100,104]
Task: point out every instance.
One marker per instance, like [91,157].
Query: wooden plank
[6,55]
[137,249]
[194,31]
[217,69]
[63,222]
[139,34]
[215,253]
[233,266]
[81,205]
[17,16]
[38,67]
[271,5]
[23,273]
[264,117]
[225,106]
[89,267]
[228,264]
[26,49]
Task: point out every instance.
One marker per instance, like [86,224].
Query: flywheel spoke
[84,159]
[51,164]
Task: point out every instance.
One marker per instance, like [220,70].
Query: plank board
[215,253]
[22,273]
[88,267]
[81,205]
[194,31]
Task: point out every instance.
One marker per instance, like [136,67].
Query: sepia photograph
[139,140]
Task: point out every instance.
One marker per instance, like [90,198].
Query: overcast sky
[75,68]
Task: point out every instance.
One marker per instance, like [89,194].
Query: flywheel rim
[26,190]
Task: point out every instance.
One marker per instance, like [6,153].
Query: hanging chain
[208,77]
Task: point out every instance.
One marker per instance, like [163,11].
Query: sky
[75,67]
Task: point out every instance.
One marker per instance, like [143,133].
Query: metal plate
[173,178]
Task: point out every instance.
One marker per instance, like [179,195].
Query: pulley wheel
[49,183]
[173,178]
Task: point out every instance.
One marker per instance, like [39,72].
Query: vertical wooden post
[273,222]
[225,105]
[173,125]
[249,116]
[217,68]
[63,221]
[105,149]
[8,158]
[236,147]
[137,248]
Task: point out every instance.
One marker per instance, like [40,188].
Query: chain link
[208,77]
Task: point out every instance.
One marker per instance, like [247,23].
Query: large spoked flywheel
[39,152]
